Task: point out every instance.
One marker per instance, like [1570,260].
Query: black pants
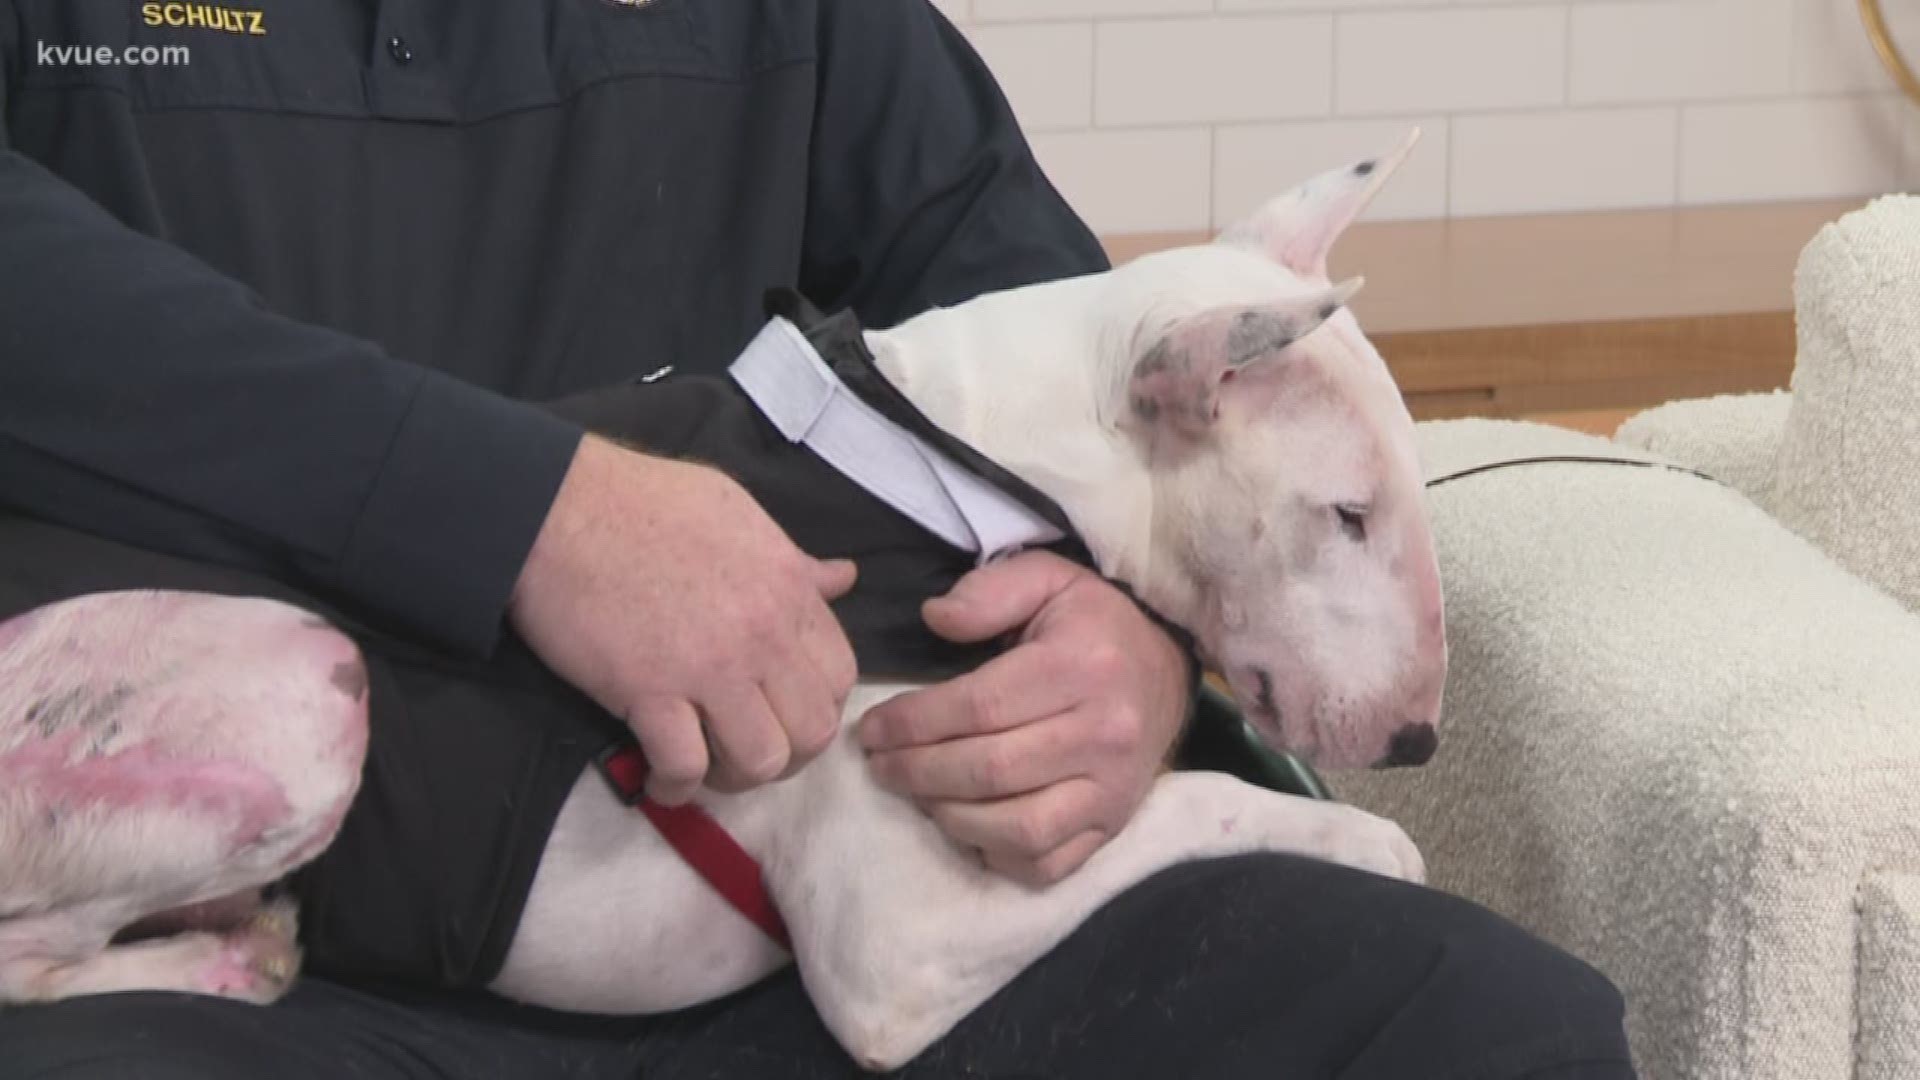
[1261,966]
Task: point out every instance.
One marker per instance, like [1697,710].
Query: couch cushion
[1848,473]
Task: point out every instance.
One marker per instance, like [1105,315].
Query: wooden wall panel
[1516,371]
[1583,316]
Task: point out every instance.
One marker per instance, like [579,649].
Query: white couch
[1682,732]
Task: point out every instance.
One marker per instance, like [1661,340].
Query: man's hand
[1042,755]
[663,591]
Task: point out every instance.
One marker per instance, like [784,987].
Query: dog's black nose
[1412,745]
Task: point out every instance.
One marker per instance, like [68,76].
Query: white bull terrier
[1216,426]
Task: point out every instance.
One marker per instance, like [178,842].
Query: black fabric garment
[1263,968]
[280,308]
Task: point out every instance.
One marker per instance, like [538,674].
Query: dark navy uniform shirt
[275,322]
[286,300]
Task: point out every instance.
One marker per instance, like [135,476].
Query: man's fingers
[835,577]
[1053,867]
[1026,827]
[824,645]
[996,766]
[1015,688]
[669,733]
[1000,597]
[749,744]
[808,711]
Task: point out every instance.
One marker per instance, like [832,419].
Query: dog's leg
[162,757]
[900,935]
[69,954]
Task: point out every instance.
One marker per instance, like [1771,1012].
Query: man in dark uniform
[284,310]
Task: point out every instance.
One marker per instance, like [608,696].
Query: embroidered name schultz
[206,17]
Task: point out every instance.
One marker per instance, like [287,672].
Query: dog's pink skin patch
[244,799]
[231,975]
[157,748]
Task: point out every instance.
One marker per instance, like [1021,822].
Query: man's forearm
[139,386]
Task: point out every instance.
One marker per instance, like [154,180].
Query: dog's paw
[256,963]
[276,920]
[1363,841]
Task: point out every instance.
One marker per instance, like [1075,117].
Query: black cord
[1566,459]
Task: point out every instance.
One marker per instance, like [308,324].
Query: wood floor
[1577,319]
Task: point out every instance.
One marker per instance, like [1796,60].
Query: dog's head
[1289,529]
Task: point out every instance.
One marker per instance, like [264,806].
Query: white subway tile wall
[1175,115]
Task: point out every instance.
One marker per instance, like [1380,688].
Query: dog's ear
[1299,229]
[1176,386]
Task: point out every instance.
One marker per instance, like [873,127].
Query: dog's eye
[1353,521]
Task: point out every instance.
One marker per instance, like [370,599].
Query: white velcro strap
[806,401]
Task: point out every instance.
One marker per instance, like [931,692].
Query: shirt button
[401,52]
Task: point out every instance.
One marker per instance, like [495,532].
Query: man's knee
[1413,975]
[142,1035]
[1497,995]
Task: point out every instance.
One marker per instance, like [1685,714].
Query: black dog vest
[902,564]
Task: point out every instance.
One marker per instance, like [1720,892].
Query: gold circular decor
[1890,55]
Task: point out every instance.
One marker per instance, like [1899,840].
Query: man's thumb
[998,598]
[835,577]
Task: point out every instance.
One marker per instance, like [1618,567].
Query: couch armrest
[1889,994]
[1732,438]
[1676,740]
[1848,476]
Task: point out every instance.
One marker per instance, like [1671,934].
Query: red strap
[700,840]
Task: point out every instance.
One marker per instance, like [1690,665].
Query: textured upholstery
[1678,739]
[1847,475]
[1733,437]
[1683,718]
